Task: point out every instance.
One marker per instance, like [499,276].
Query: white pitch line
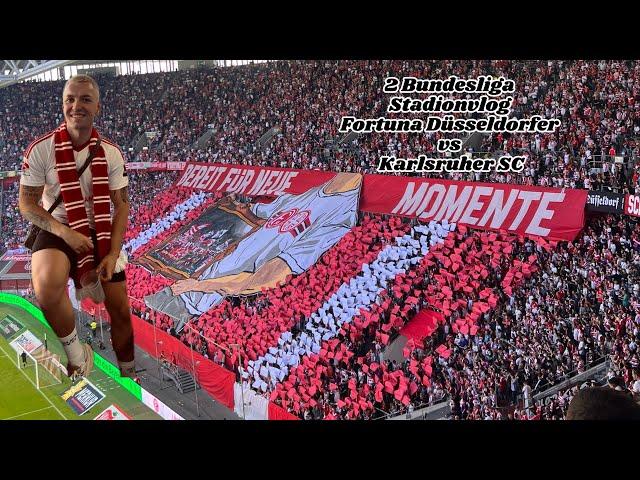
[52,385]
[23,414]
[40,392]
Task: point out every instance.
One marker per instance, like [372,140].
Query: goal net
[42,366]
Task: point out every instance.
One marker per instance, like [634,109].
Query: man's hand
[183,286]
[78,242]
[107,266]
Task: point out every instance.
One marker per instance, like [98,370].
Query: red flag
[413,388]
[485,292]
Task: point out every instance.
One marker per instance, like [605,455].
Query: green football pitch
[21,400]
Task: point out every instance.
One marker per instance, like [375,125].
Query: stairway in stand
[183,379]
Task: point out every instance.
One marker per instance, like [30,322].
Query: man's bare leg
[50,273]
[117,304]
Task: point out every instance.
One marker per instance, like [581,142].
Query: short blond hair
[82,78]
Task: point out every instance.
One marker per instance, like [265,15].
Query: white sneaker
[84,370]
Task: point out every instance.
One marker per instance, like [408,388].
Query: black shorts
[49,240]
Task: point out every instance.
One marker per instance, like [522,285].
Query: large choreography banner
[241,249]
[546,212]
[252,181]
[554,213]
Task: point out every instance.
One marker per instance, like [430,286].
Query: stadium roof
[13,71]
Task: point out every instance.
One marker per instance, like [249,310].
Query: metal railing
[593,372]
[419,413]
[565,381]
[626,162]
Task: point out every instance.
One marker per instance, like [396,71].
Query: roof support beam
[31,68]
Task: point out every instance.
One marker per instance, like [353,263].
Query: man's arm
[120,200]
[270,275]
[30,209]
[28,200]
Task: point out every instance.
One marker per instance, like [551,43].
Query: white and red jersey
[299,229]
[39,168]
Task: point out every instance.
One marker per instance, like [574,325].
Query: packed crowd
[581,309]
[511,316]
[304,101]
[13,226]
[576,308]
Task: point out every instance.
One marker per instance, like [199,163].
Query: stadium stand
[485,330]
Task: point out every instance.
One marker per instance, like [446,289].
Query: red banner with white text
[632,205]
[253,181]
[534,211]
[538,211]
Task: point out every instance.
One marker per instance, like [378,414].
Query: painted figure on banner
[265,244]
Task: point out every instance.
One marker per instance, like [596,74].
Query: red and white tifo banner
[138,165]
[9,256]
[246,180]
[545,212]
[535,211]
[175,165]
[632,205]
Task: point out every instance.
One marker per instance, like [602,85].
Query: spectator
[596,403]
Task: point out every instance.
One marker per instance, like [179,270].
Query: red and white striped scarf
[74,201]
